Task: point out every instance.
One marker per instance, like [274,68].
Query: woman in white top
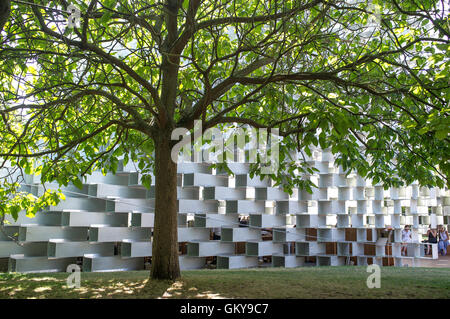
[443,240]
[406,238]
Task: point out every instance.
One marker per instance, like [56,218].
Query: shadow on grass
[54,286]
[180,289]
[323,283]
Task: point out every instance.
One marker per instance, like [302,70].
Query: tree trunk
[5,10]
[165,264]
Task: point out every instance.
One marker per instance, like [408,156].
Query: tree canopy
[368,79]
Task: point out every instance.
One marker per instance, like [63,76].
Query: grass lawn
[307,282]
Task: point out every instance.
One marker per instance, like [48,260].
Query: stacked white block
[93,262]
[209,248]
[232,221]
[32,233]
[239,234]
[287,261]
[27,264]
[236,261]
[263,248]
[129,248]
[60,248]
[100,233]
[87,219]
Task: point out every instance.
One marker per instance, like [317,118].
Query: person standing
[406,238]
[443,240]
[432,239]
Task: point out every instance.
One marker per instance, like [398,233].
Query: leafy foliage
[370,82]
[13,200]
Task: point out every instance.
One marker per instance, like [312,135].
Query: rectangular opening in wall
[331,248]
[210,260]
[362,261]
[369,250]
[182,248]
[311,234]
[324,234]
[370,220]
[279,235]
[223,262]
[369,235]
[193,249]
[362,235]
[302,249]
[388,261]
[239,248]
[350,234]
[266,234]
[388,250]
[278,261]
[343,249]
[324,261]
[292,248]
[227,234]
[251,249]
[4,264]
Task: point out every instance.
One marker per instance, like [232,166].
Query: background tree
[5,9]
[368,79]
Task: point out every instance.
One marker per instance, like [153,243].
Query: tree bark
[5,9]
[165,264]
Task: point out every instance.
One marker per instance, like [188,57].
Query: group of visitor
[437,235]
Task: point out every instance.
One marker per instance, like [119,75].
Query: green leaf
[441,134]
[77,182]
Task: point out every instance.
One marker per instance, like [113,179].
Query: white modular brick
[95,263]
[215,220]
[263,248]
[267,221]
[239,234]
[86,219]
[34,233]
[193,233]
[209,248]
[271,193]
[136,248]
[224,193]
[245,206]
[287,261]
[143,219]
[236,262]
[115,234]
[58,248]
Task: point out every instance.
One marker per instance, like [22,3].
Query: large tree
[368,79]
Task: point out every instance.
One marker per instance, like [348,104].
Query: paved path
[442,262]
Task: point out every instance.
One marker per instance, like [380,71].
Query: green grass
[307,282]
